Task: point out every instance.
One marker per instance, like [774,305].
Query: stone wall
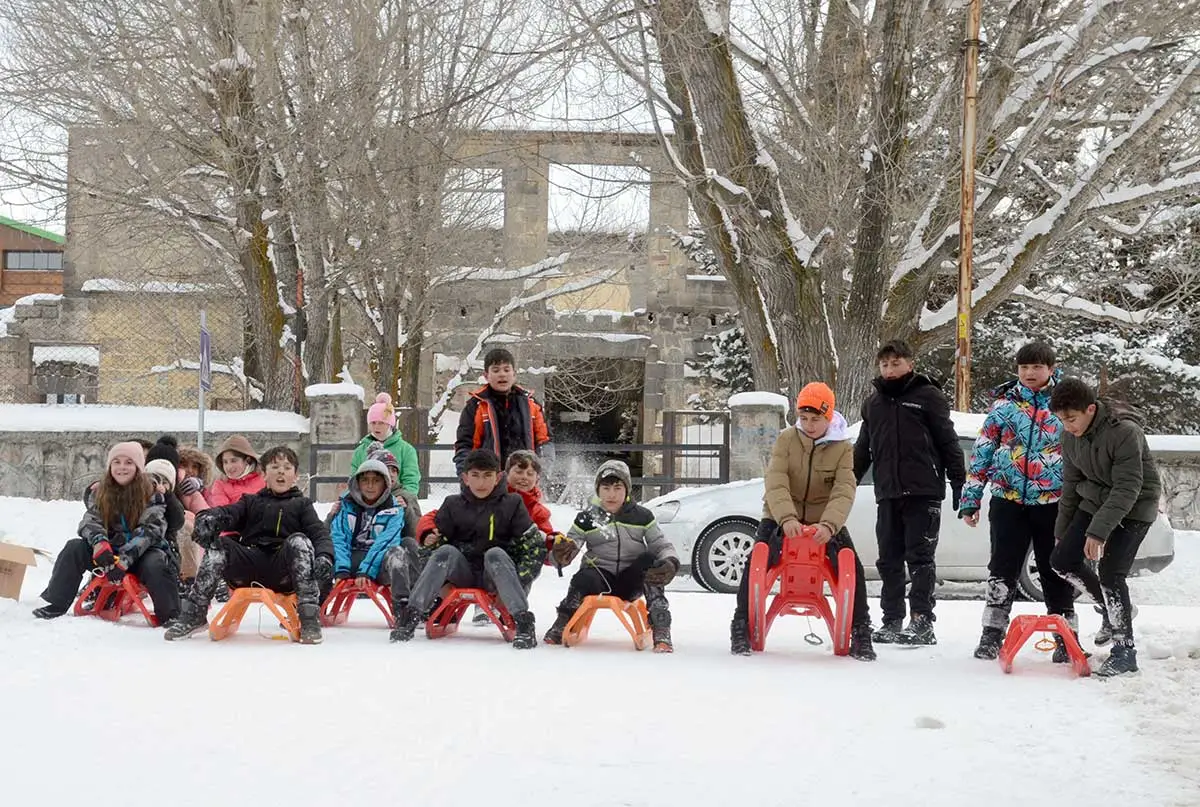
[1181,484]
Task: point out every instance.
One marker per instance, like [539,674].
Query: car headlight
[666,511]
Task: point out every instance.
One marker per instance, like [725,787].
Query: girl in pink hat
[381,427]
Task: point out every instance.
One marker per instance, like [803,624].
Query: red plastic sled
[1024,626]
[802,572]
[336,608]
[115,600]
[446,619]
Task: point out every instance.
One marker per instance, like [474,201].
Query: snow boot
[860,643]
[555,634]
[185,588]
[406,622]
[526,637]
[918,632]
[1104,635]
[49,612]
[888,632]
[739,636]
[1121,661]
[660,626]
[1061,656]
[310,624]
[223,593]
[190,620]
[989,644]
[480,618]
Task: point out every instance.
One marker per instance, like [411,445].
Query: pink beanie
[381,411]
[130,450]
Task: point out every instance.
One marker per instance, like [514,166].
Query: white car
[713,531]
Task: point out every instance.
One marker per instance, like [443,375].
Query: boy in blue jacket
[368,534]
[1019,452]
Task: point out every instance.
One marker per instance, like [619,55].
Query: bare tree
[819,146]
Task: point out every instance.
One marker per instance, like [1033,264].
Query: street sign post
[205,374]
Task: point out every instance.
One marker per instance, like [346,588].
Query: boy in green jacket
[381,427]
[1109,501]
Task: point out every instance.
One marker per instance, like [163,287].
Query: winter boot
[1104,635]
[1122,660]
[406,623]
[526,638]
[49,612]
[185,588]
[190,620]
[1061,656]
[739,636]
[660,626]
[989,644]
[888,631]
[480,618]
[860,643]
[918,632]
[223,593]
[310,624]
[555,634]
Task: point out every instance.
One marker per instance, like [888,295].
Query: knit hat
[382,411]
[163,468]
[372,466]
[167,448]
[131,451]
[817,397]
[386,457]
[238,445]
[615,469]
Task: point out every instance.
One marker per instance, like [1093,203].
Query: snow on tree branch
[1098,312]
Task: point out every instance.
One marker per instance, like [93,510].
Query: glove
[564,551]
[208,527]
[323,568]
[189,486]
[586,521]
[102,555]
[116,572]
[955,495]
[343,574]
[662,572]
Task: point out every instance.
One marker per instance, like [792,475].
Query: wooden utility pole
[966,228]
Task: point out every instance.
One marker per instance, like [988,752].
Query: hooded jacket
[128,541]
[908,437]
[476,525]
[361,527]
[266,519]
[1108,473]
[811,480]
[405,454]
[616,541]
[502,423]
[1019,449]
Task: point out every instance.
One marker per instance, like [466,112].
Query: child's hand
[1093,549]
[662,572]
[792,527]
[823,534]
[431,538]
[190,485]
[362,581]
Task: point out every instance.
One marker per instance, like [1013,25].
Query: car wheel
[720,555]
[1029,582]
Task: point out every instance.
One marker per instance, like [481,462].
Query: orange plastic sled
[115,600]
[802,572]
[1024,626]
[281,606]
[446,619]
[632,615]
[336,608]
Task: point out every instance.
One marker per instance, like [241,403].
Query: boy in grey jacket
[1109,501]
[627,555]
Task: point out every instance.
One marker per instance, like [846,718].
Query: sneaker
[888,632]
[526,637]
[860,643]
[989,644]
[555,634]
[918,632]
[223,593]
[310,624]
[739,636]
[189,621]
[1061,656]
[1121,661]
[480,617]
[405,627]
[49,612]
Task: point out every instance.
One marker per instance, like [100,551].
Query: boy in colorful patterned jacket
[1019,451]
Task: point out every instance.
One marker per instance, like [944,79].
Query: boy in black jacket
[488,541]
[280,544]
[908,437]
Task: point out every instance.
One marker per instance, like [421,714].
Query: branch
[547,267]
[1097,312]
[1137,196]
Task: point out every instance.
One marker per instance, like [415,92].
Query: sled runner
[445,620]
[281,606]
[336,608]
[633,617]
[1023,627]
[802,572]
[114,600]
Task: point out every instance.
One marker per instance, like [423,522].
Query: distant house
[31,261]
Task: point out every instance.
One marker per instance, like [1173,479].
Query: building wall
[18,283]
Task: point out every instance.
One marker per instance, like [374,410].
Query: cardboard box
[13,562]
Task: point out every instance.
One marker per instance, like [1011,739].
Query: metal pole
[966,230]
[200,384]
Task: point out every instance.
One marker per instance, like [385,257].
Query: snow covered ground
[114,715]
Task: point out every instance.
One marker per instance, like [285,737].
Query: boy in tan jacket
[810,481]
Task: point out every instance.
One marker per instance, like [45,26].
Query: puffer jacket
[401,449]
[476,525]
[227,491]
[373,528]
[811,481]
[1019,449]
[129,544]
[1108,473]
[618,540]
[266,519]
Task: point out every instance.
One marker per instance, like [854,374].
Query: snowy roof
[72,354]
[138,419]
[759,399]
[331,390]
